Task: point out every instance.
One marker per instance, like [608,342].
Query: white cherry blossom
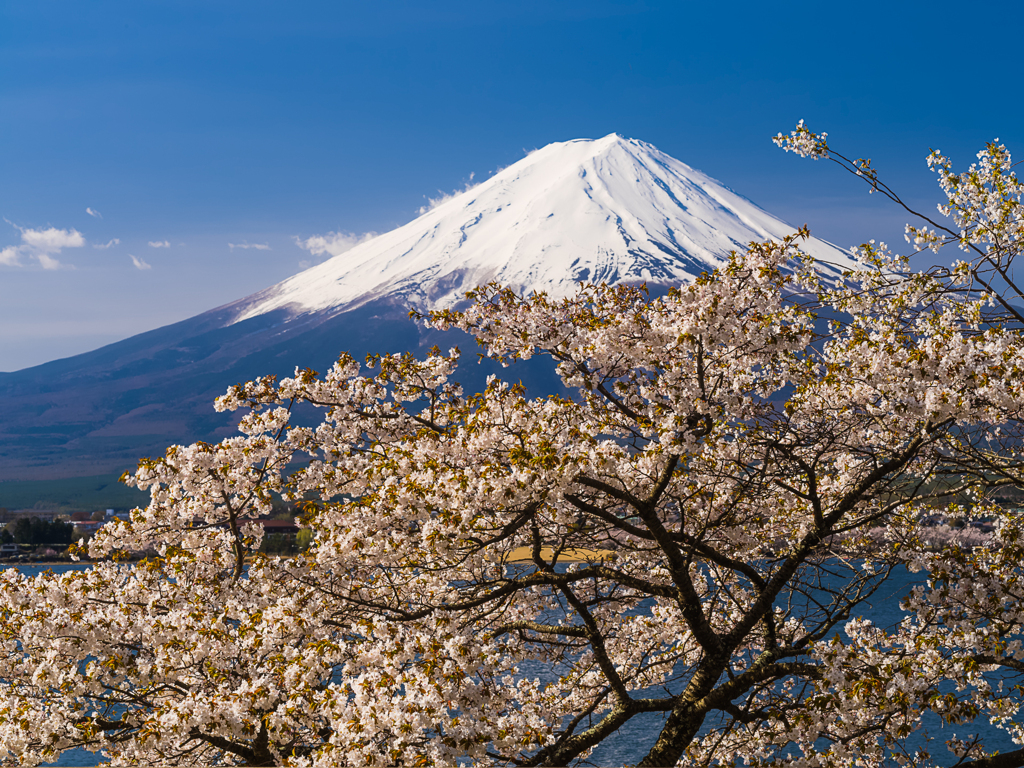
[509,580]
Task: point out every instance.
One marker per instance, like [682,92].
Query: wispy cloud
[444,197]
[94,214]
[108,244]
[159,244]
[41,244]
[140,263]
[46,261]
[331,244]
[244,245]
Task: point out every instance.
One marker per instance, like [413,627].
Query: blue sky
[186,127]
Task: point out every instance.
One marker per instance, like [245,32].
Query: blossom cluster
[509,580]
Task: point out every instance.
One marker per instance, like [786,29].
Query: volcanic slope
[606,210]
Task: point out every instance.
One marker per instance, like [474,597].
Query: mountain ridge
[610,209]
[599,210]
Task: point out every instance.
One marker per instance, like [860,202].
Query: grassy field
[71,494]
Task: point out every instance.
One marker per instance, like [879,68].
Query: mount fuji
[606,210]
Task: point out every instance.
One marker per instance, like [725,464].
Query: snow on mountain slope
[603,210]
[611,209]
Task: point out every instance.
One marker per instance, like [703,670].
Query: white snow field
[600,210]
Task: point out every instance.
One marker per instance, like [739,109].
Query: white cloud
[140,263]
[444,197]
[244,245]
[159,244]
[333,243]
[46,261]
[41,244]
[108,244]
[52,240]
[94,214]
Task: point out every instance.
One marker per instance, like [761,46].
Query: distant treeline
[33,531]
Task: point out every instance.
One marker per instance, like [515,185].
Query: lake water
[635,739]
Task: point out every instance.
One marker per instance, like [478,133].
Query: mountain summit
[605,210]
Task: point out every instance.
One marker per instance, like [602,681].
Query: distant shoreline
[34,563]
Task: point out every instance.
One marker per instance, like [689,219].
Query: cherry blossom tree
[510,580]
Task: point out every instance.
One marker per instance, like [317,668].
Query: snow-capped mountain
[605,210]
[610,209]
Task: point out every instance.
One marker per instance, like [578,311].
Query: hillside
[611,209]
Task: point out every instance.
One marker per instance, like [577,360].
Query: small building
[89,526]
[9,550]
[287,527]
